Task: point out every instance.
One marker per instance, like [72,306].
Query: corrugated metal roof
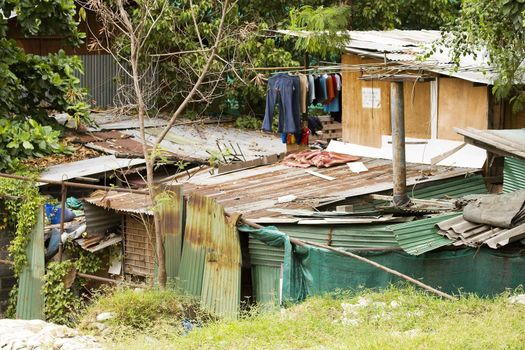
[450,188]
[192,143]
[410,46]
[421,236]
[513,174]
[252,192]
[508,142]
[88,167]
[471,234]
[210,266]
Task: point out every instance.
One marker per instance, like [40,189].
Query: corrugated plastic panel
[451,188]
[211,257]
[265,280]
[420,236]
[30,302]
[513,174]
[99,220]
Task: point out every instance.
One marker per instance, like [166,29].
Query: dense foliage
[233,86]
[497,26]
[32,85]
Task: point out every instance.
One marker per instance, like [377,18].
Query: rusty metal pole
[62,214]
[397,115]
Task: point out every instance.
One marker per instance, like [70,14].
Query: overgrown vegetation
[160,313]
[31,86]
[496,27]
[64,302]
[398,318]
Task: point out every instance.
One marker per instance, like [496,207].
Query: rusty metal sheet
[119,147]
[253,192]
[171,207]
[121,202]
[211,257]
[98,136]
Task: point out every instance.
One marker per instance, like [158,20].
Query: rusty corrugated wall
[30,302]
[171,209]
[211,257]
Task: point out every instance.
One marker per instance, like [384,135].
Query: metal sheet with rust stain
[211,258]
[252,192]
[98,136]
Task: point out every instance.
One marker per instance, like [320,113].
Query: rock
[394,304]
[104,316]
[37,334]
[517,299]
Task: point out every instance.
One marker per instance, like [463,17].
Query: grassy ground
[393,319]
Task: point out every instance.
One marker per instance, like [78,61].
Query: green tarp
[310,270]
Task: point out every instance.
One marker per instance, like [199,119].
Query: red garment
[329,90]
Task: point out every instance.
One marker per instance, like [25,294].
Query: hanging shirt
[318,90]
[311,89]
[304,91]
[324,92]
[329,89]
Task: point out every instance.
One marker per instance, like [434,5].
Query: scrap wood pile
[317,158]
[494,220]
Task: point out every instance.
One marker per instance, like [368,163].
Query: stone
[104,316]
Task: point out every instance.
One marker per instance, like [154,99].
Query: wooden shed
[433,108]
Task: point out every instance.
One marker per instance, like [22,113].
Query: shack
[437,98]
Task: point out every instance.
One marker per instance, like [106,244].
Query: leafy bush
[26,139]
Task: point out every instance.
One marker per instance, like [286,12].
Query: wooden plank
[461,105]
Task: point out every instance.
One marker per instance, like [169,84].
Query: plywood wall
[417,109]
[363,126]
[461,104]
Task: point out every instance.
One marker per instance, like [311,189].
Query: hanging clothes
[324,92]
[335,105]
[311,89]
[329,90]
[283,89]
[304,91]
[318,90]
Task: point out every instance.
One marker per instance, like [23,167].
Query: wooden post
[397,114]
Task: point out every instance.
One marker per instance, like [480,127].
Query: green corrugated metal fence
[513,174]
[30,302]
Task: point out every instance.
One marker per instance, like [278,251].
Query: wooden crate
[332,130]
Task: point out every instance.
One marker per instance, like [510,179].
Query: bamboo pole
[365,260]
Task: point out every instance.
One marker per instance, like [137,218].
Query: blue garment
[288,89]
[322,81]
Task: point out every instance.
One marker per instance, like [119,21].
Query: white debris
[104,316]
[517,299]
[37,334]
[394,304]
